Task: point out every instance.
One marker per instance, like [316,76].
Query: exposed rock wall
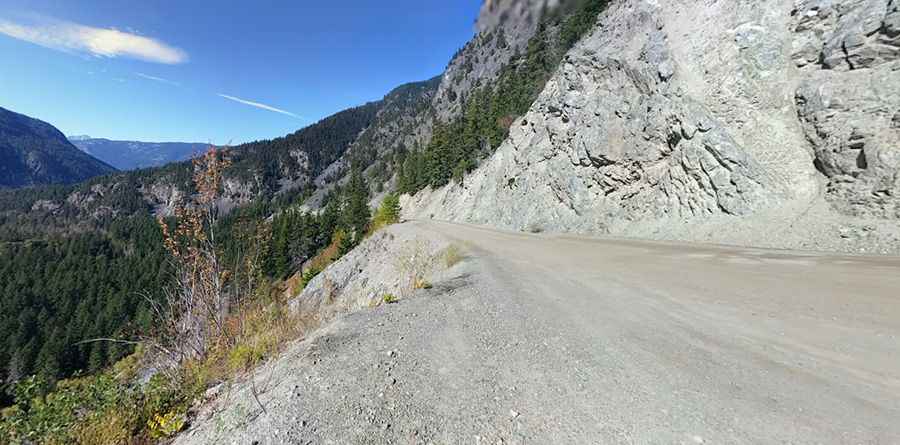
[849,100]
[674,115]
[385,264]
[503,28]
[512,14]
[408,114]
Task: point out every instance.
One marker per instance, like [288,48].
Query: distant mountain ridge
[132,155]
[33,152]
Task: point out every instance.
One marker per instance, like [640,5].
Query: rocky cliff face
[848,54]
[724,122]
[407,116]
[503,28]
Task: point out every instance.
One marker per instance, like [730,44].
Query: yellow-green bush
[97,409]
[452,255]
[388,213]
[166,425]
[243,357]
[113,426]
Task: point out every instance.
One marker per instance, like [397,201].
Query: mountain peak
[33,152]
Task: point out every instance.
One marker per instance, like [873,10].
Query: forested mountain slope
[33,152]
[259,169]
[462,115]
[85,261]
[403,122]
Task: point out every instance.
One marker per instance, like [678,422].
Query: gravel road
[536,339]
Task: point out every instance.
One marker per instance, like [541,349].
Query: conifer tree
[355,211]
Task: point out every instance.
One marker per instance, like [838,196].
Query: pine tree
[388,212]
[355,212]
[330,218]
[280,249]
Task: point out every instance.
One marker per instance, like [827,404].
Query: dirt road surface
[537,339]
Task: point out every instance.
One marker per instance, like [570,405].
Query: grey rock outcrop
[846,35]
[849,101]
[163,197]
[503,28]
[385,264]
[676,120]
[408,114]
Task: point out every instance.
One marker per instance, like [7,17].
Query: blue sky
[216,71]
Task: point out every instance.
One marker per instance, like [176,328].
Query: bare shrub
[452,255]
[415,262]
[192,317]
[329,290]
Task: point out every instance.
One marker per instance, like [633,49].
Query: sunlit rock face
[672,120]
[503,28]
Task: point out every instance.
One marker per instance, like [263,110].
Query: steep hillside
[132,155]
[769,123]
[33,152]
[403,122]
[504,43]
[282,168]
[503,29]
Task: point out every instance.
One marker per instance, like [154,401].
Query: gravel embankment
[537,339]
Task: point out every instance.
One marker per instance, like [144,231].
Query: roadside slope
[540,339]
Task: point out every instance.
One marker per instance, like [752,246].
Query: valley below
[530,338]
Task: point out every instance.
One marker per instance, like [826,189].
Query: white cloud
[99,42]
[158,79]
[259,105]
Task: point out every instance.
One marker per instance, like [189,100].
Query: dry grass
[255,332]
[294,284]
[329,254]
[111,427]
[452,255]
[415,262]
